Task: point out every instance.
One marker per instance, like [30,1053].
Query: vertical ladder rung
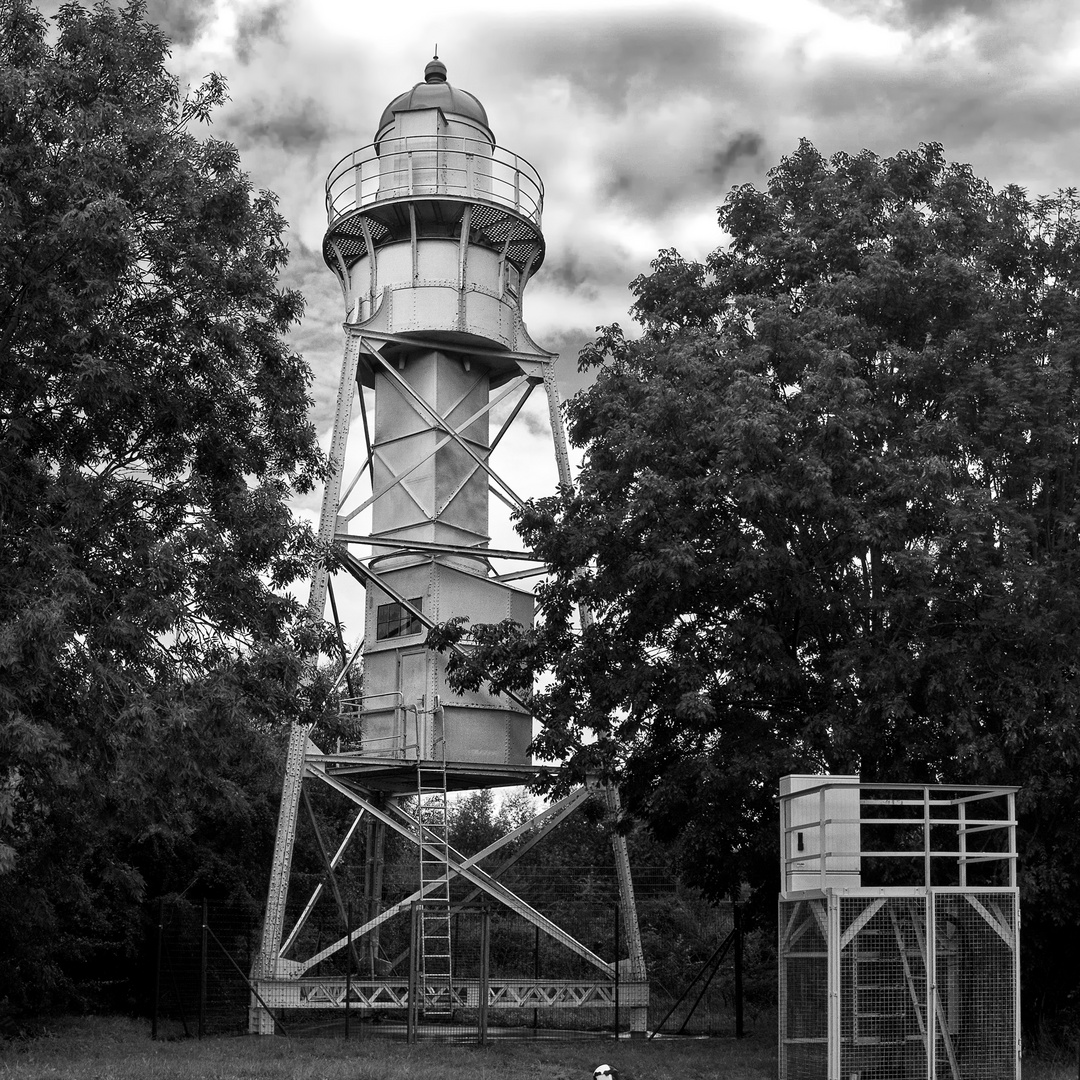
[436,987]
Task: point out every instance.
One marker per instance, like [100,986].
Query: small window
[396,620]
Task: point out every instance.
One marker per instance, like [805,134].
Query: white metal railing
[918,815]
[394,745]
[433,165]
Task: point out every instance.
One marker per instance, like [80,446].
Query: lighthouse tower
[433,232]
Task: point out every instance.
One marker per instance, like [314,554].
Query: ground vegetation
[153,427]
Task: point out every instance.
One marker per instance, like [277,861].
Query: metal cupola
[434,228]
[436,93]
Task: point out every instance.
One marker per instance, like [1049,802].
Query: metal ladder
[878,991]
[436,987]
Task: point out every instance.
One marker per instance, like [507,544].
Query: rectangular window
[395,620]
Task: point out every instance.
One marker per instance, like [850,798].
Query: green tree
[472,822]
[153,423]
[828,518]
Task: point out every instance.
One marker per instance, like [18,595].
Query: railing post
[962,837]
[926,836]
[1011,811]
[823,881]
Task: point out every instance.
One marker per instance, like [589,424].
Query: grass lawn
[110,1048]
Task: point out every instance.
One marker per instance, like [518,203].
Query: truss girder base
[380,995]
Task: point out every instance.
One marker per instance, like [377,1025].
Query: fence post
[157,968]
[414,959]
[738,972]
[536,974]
[617,953]
[202,975]
[348,964]
[485,972]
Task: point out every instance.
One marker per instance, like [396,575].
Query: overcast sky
[640,116]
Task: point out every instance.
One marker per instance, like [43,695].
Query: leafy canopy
[153,424]
[827,516]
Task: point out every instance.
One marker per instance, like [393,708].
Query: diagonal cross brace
[853,930]
[467,870]
[995,920]
[310,906]
[399,478]
[433,414]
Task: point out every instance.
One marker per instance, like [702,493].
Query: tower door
[413,684]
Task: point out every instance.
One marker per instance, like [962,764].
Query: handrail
[972,791]
[425,165]
[934,808]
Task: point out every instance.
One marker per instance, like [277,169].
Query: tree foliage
[153,424]
[827,519]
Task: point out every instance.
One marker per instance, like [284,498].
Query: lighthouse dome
[435,93]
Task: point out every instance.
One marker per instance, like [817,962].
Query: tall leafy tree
[153,424]
[828,518]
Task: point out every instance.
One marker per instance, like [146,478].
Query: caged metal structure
[898,931]
[433,232]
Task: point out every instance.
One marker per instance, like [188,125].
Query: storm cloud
[631,64]
[292,126]
[264,22]
[181,20]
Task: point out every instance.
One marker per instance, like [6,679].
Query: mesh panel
[883,987]
[520,253]
[804,990]
[482,216]
[975,947]
[883,1028]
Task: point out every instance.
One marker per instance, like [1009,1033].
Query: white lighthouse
[434,232]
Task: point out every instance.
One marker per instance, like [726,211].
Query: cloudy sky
[639,115]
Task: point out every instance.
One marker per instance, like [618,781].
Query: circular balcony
[433,166]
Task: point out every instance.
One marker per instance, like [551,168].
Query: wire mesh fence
[883,986]
[804,989]
[505,979]
[975,935]
[899,985]
[203,953]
